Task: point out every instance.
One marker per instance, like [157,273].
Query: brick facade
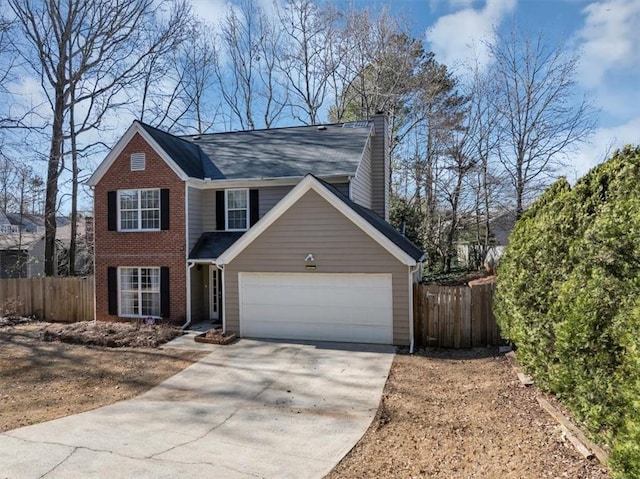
[153,249]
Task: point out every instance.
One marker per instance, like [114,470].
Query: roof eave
[264,181]
[308,183]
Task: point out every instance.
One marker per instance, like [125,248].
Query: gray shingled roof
[213,244]
[281,152]
[325,150]
[187,156]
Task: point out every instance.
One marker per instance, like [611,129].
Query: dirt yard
[462,414]
[445,414]
[42,380]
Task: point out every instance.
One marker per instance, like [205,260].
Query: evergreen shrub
[568,296]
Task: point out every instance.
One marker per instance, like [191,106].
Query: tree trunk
[53,173]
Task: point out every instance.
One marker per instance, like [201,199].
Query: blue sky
[605,32]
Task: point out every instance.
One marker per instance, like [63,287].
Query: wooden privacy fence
[51,299]
[455,316]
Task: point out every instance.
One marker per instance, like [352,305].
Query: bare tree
[541,120]
[7,182]
[307,61]
[195,64]
[381,70]
[245,66]
[92,49]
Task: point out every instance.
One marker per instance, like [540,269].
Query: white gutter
[188,321]
[223,302]
[411,328]
[186,254]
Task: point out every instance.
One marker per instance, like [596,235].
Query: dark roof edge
[338,124]
[378,223]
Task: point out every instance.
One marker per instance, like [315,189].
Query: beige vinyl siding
[195,227]
[209,210]
[268,197]
[361,190]
[343,188]
[380,170]
[314,226]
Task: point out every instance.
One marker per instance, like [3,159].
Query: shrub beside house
[568,296]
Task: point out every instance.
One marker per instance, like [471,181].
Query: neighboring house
[21,255]
[500,228]
[279,233]
[22,245]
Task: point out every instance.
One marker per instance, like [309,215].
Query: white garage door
[323,307]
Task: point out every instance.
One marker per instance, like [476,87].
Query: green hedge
[568,295]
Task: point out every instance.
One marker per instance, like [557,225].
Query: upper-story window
[237,210]
[139,210]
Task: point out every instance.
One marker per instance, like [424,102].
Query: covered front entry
[317,306]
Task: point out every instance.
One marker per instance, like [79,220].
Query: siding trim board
[311,183]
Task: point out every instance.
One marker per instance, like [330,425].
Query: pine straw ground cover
[43,380]
[462,414]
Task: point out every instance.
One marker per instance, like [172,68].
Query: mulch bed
[215,336]
[113,335]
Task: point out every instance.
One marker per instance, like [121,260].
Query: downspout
[190,265]
[411,319]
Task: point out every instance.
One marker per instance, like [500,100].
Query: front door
[215,293]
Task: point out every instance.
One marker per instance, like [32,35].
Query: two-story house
[280,233]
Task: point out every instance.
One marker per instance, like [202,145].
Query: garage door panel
[332,307]
[338,332]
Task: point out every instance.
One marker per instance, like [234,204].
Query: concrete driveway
[252,409]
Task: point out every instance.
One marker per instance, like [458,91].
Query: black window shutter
[112,287]
[164,292]
[220,210]
[254,207]
[164,209]
[112,210]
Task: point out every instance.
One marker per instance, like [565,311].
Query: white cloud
[211,11]
[610,39]
[603,143]
[458,38]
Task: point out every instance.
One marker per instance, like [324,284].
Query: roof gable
[402,252]
[139,128]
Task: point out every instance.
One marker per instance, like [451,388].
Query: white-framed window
[237,210]
[139,292]
[139,210]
